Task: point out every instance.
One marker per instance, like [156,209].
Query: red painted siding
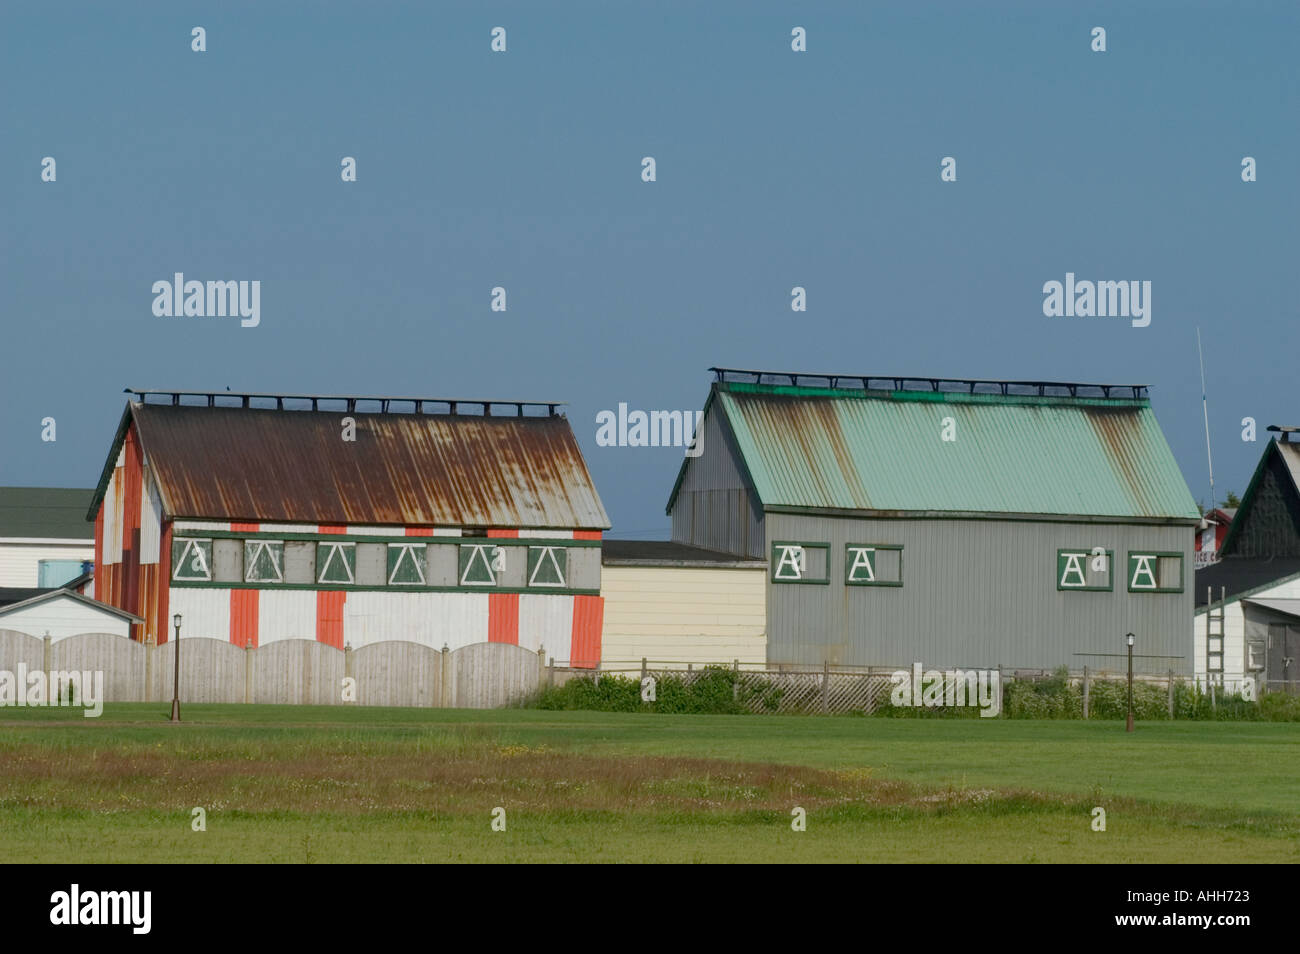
[586,534]
[243,617]
[244,604]
[503,618]
[329,604]
[588,618]
[329,617]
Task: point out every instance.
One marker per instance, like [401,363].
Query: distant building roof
[48,512]
[1267,523]
[38,596]
[250,463]
[1241,576]
[17,594]
[667,553]
[1221,515]
[875,444]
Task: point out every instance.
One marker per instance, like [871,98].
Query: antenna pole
[1205,410]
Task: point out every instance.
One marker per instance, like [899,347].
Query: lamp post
[176,672]
[1129,639]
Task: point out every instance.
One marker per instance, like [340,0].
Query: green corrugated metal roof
[821,448]
[52,512]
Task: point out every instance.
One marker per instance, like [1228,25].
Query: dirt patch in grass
[462,774]
[456,775]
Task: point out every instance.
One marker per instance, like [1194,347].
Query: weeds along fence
[289,671]
[1084,693]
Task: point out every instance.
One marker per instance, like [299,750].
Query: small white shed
[62,613]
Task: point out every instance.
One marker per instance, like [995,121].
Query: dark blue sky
[522,169]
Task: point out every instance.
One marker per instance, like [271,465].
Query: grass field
[294,784]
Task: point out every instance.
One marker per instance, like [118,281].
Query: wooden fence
[294,671]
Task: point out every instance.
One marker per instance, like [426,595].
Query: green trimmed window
[795,562]
[1155,572]
[406,564]
[263,561]
[192,560]
[1086,570]
[873,564]
[481,564]
[336,563]
[547,566]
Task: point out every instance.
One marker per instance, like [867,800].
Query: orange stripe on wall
[243,604]
[243,617]
[588,618]
[503,608]
[586,534]
[329,617]
[329,603]
[503,618]
[419,531]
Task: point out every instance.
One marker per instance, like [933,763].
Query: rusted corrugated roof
[253,464]
[883,451]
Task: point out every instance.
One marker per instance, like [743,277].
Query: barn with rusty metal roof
[351,520]
[952,522]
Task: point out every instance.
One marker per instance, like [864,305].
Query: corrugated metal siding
[975,593]
[420,469]
[435,619]
[546,623]
[1010,455]
[713,507]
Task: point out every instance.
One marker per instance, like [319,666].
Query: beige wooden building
[676,604]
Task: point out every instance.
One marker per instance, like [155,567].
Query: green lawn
[291,783]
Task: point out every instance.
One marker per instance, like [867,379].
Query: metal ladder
[1214,637]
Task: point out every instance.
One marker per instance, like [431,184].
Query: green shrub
[1279,707]
[713,691]
[718,690]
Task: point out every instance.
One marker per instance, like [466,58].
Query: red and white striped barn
[351,520]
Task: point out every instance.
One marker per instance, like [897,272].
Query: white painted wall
[20,562]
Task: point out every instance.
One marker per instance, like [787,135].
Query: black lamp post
[1129,639]
[176,672]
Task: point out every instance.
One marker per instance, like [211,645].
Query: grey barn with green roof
[955,523]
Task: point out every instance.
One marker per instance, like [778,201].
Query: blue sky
[775,169]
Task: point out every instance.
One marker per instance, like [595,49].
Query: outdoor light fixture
[176,671]
[1129,639]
